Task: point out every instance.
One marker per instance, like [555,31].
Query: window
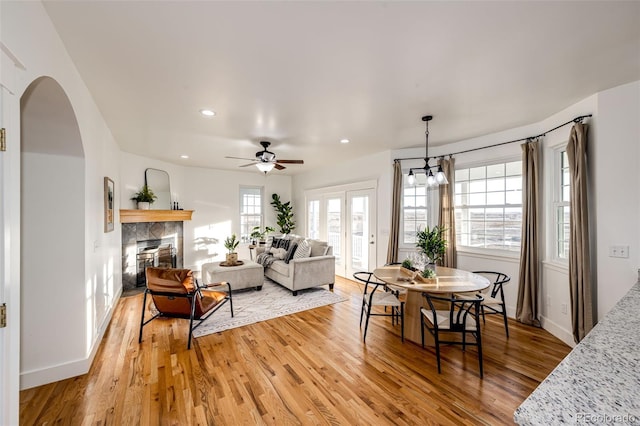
[488,206]
[250,211]
[414,208]
[562,198]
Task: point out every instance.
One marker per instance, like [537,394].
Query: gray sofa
[300,273]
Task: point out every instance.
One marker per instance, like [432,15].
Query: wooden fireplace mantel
[137,216]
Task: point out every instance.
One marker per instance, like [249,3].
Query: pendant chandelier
[436,179]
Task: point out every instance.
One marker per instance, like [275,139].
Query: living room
[32,48]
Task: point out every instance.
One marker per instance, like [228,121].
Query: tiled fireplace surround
[134,233]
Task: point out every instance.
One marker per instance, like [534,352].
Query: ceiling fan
[265,160]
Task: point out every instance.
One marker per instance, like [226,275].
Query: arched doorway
[52,231]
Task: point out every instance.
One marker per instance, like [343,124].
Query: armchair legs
[192,315]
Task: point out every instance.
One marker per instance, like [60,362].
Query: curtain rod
[575,120]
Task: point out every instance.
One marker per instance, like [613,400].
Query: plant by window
[285,214]
[145,195]
[231,243]
[431,242]
[257,234]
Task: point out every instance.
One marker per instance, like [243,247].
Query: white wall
[214,197]
[31,37]
[376,167]
[53,265]
[617,181]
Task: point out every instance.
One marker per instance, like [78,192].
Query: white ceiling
[304,75]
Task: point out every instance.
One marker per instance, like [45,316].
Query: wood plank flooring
[307,368]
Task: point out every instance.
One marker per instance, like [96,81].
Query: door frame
[371,235]
[341,191]
[10,230]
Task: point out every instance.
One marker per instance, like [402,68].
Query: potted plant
[285,214]
[432,244]
[258,235]
[428,275]
[231,243]
[407,268]
[145,197]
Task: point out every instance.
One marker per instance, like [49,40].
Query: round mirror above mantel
[139,216]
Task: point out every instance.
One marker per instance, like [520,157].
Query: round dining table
[447,281]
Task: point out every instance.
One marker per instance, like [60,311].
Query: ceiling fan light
[265,167]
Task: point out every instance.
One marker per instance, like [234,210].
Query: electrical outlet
[563,308]
[619,251]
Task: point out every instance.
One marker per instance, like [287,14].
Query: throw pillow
[284,244]
[279,253]
[276,242]
[303,250]
[318,248]
[290,252]
[268,244]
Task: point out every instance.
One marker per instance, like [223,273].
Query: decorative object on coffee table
[231,243]
[145,197]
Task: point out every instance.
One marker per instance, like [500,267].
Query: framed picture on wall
[108,204]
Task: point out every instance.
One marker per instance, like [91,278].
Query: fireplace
[156,253]
[149,244]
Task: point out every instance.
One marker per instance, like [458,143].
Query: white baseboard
[556,330]
[561,333]
[42,376]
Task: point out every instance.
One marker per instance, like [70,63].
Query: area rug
[273,301]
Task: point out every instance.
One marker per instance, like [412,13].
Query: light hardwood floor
[307,368]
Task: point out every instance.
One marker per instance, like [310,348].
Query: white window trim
[555,203]
[490,252]
[240,215]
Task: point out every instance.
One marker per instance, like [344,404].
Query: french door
[360,232]
[347,220]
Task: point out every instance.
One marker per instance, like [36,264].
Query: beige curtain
[579,255]
[527,306]
[396,203]
[447,219]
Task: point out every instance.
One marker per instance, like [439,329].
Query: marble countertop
[599,381]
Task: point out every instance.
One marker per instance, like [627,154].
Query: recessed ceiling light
[184,156]
[207,112]
[344,141]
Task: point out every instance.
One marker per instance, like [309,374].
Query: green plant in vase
[144,197]
[231,243]
[258,235]
[431,243]
[285,214]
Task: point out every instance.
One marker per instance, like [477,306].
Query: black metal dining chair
[375,293]
[493,302]
[460,316]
